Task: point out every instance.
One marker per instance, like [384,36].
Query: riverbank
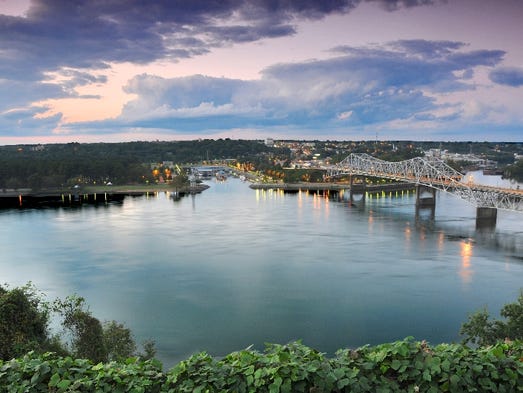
[291,187]
[88,194]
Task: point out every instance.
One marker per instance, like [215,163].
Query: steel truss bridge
[433,173]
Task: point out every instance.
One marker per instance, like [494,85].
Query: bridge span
[436,175]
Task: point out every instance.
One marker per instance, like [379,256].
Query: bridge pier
[357,189]
[486,217]
[424,200]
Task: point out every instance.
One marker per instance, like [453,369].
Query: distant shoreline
[26,197]
[332,186]
[124,189]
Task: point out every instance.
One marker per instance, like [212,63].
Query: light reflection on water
[234,267]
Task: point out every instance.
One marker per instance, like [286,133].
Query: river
[233,267]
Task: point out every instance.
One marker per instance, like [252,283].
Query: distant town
[465,155]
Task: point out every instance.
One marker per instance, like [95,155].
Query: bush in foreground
[24,326]
[402,366]
[482,330]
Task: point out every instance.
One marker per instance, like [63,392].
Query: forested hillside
[57,165]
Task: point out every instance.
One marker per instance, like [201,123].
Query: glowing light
[466,254]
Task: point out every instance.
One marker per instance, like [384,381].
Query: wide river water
[231,267]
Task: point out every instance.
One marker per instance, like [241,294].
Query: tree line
[61,165]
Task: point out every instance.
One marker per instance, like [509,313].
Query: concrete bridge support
[357,189]
[425,196]
[486,217]
[425,200]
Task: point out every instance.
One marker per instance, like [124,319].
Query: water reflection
[408,232]
[466,256]
[441,241]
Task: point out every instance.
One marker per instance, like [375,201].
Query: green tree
[118,340]
[480,329]
[149,349]
[515,171]
[23,322]
[180,180]
[84,330]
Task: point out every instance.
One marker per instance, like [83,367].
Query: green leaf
[275,386]
[35,378]
[55,378]
[396,364]
[339,373]
[343,382]
[63,384]
[454,379]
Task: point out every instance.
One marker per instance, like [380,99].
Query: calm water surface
[233,267]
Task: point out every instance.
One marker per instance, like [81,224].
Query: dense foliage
[55,165]
[23,322]
[515,171]
[402,366]
[24,327]
[480,329]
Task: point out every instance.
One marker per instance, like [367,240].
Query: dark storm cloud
[509,76]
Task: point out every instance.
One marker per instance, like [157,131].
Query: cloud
[18,93]
[87,34]
[345,115]
[53,48]
[394,5]
[57,47]
[364,86]
[18,120]
[90,34]
[509,76]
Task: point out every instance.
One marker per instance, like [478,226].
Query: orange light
[466,254]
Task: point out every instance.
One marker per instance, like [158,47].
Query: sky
[131,70]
